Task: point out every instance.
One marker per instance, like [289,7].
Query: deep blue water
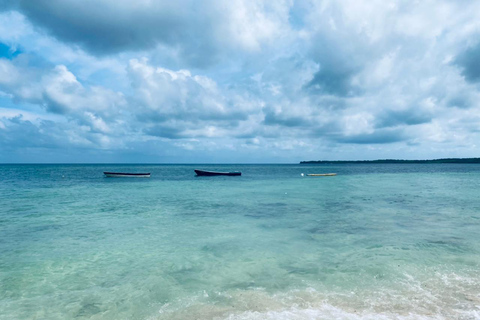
[377,241]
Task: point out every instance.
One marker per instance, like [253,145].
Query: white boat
[126,175]
[321,174]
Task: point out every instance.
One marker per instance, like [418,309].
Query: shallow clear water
[377,241]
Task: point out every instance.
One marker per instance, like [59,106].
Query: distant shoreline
[446,160]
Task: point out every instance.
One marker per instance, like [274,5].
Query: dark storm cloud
[377,137]
[170,132]
[54,106]
[340,58]
[109,27]
[392,118]
[469,62]
[462,102]
[272,118]
[329,129]
[6,4]
[334,79]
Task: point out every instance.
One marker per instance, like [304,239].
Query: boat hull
[215,173]
[126,175]
[321,174]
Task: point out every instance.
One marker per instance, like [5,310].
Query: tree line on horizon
[445,160]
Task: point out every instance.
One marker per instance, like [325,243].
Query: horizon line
[230,163]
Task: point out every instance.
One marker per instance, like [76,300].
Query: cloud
[271,118]
[165,131]
[377,137]
[55,88]
[19,78]
[392,118]
[112,25]
[64,94]
[252,79]
[58,91]
[176,104]
[42,134]
[6,4]
[468,61]
[339,63]
[197,33]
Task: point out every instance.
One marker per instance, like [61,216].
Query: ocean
[377,241]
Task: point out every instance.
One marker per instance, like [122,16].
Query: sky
[238,81]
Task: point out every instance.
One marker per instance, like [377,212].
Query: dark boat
[126,174]
[215,173]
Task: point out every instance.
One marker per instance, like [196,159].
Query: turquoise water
[377,241]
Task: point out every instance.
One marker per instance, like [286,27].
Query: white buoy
[302,174]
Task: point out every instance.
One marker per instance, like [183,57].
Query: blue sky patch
[8,52]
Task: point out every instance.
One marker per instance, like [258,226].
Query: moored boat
[126,175]
[321,174]
[216,173]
